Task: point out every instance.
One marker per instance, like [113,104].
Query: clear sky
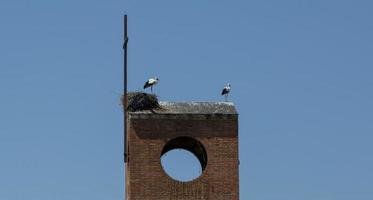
[301,75]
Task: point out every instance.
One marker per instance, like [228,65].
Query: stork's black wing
[224,91]
[147,84]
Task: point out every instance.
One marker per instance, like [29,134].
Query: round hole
[184,159]
[181,165]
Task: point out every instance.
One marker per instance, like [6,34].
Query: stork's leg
[151,89]
[226,97]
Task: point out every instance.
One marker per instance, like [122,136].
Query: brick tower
[208,130]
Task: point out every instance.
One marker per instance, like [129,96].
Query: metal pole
[125,88]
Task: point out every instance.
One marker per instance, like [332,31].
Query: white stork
[151,82]
[226,90]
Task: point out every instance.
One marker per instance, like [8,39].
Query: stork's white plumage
[226,90]
[150,83]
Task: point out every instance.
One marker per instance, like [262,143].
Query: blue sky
[300,70]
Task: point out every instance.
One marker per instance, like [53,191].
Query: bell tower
[209,130]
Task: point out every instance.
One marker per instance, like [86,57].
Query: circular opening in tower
[184,159]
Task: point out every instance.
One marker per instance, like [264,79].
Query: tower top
[208,130]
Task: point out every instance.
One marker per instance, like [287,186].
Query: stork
[151,82]
[226,90]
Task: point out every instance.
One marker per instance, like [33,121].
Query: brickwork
[146,180]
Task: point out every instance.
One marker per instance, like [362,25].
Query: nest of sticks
[138,101]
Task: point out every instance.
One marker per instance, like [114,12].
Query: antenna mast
[125,81]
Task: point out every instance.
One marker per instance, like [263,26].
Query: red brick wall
[146,179]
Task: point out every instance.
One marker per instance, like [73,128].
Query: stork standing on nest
[226,90]
[150,83]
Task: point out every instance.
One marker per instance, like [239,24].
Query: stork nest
[138,101]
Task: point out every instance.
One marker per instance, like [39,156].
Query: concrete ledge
[138,116]
[189,111]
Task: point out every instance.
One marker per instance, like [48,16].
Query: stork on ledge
[150,83]
[226,90]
